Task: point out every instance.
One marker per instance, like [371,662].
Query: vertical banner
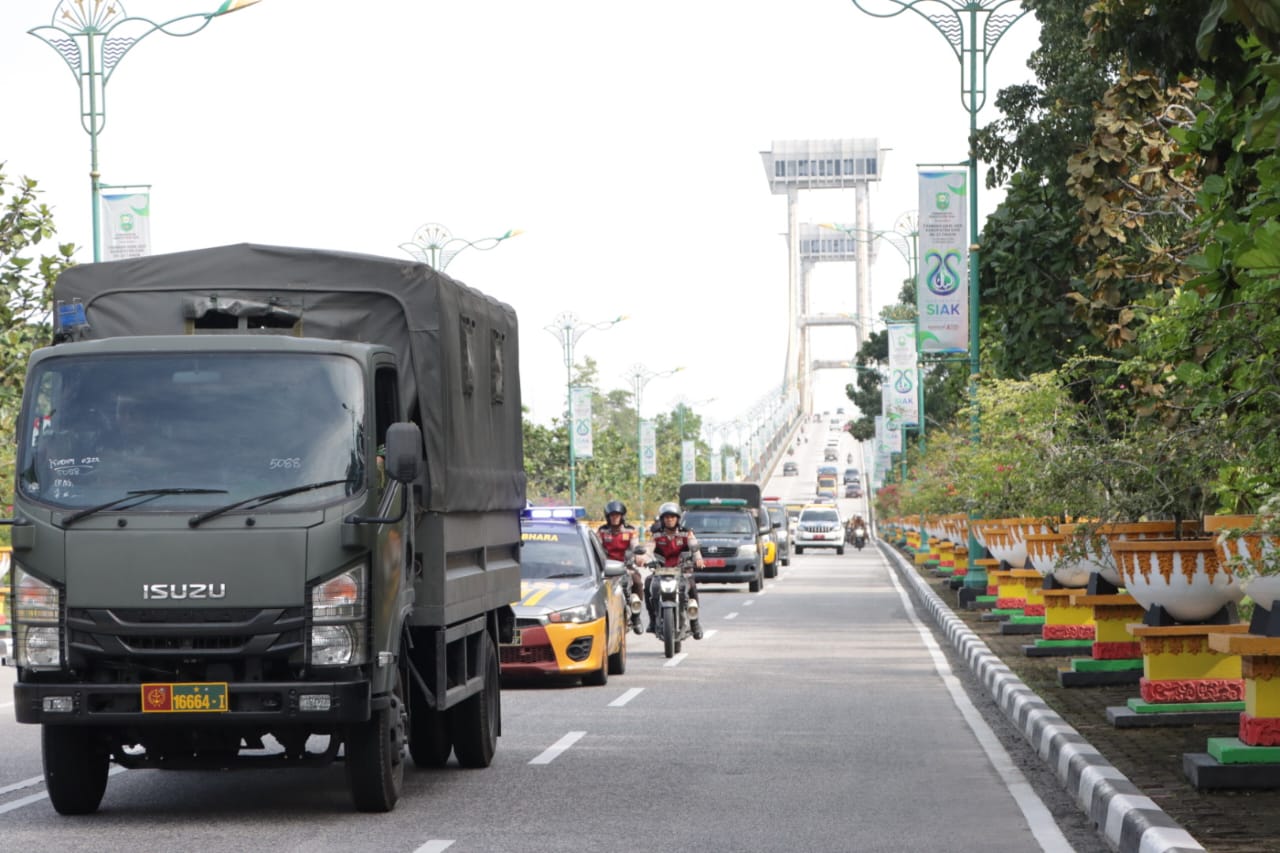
[716,468]
[580,405]
[942,289]
[648,450]
[730,469]
[688,469]
[126,226]
[904,398]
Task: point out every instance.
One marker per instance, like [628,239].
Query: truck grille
[720,551]
[159,633]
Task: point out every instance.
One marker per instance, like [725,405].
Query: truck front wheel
[75,769]
[375,756]
[475,721]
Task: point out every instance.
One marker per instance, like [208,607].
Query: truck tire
[474,722]
[75,769]
[429,742]
[799,551]
[375,755]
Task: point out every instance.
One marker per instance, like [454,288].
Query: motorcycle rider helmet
[615,506]
[668,508]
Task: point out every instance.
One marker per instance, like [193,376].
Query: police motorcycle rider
[669,542]
[619,540]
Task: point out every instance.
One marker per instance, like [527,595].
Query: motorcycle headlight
[579,614]
[748,550]
[668,584]
[338,608]
[36,611]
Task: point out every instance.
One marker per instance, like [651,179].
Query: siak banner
[904,396]
[126,226]
[716,468]
[688,469]
[583,440]
[648,450]
[942,290]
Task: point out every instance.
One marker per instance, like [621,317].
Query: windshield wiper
[565,575]
[145,495]
[259,500]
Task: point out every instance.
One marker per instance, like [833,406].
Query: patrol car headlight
[748,550]
[37,634]
[574,615]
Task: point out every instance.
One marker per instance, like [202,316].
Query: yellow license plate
[184,698]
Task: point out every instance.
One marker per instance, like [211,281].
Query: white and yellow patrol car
[571,619]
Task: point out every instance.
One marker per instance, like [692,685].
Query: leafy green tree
[26,281]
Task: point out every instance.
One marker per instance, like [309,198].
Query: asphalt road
[817,715]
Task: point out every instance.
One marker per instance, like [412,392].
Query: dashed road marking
[553,752]
[626,697]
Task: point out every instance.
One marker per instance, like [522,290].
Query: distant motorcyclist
[619,539]
[857,531]
[670,543]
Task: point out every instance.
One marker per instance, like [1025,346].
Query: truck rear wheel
[429,742]
[75,768]
[474,722]
[375,755]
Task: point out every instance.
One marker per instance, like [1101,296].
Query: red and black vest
[617,541]
[669,546]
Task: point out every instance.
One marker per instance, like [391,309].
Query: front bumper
[551,650]
[828,540]
[734,570]
[248,702]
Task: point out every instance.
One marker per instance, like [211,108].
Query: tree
[26,282]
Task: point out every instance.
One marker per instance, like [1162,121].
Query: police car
[571,619]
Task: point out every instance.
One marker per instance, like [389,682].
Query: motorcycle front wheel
[669,630]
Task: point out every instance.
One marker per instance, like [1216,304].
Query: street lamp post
[567,329]
[92,38]
[972,29]
[641,376]
[433,245]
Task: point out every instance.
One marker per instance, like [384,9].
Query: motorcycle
[634,601]
[673,610]
[859,537]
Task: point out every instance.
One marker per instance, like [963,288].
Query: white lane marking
[435,846]
[1039,819]
[626,697]
[733,615]
[675,661]
[43,795]
[553,752]
[4,705]
[749,602]
[25,783]
[709,633]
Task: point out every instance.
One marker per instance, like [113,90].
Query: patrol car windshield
[209,429]
[712,523]
[549,552]
[820,515]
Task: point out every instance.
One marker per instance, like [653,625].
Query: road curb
[1130,821]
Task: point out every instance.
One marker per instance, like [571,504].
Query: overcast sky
[623,139]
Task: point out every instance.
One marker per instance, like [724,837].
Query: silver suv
[819,526]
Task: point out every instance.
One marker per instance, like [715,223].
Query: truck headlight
[37,634]
[579,614]
[748,550]
[338,611]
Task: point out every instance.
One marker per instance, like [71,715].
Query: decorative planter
[1185,577]
[1044,550]
[1097,552]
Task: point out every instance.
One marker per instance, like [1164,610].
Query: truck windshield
[207,429]
[711,523]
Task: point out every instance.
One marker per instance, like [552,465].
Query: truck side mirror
[403,461]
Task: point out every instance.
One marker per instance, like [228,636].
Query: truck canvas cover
[457,348]
[749,492]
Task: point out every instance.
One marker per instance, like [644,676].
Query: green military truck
[266,512]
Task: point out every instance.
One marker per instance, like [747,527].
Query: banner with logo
[126,226]
[730,469]
[716,468]
[904,399]
[688,469]
[648,450]
[580,405]
[942,289]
